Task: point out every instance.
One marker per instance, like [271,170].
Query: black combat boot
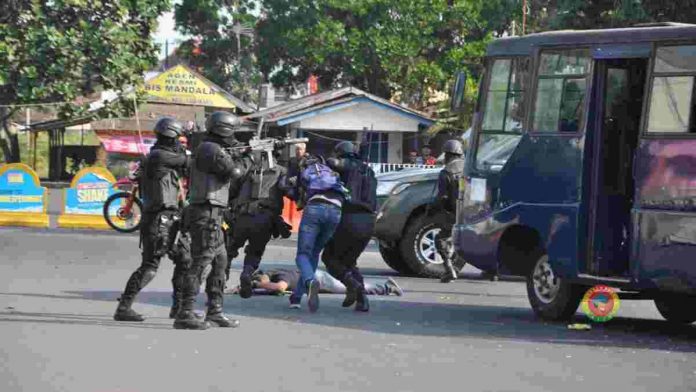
[124,311]
[187,318]
[363,304]
[175,306]
[245,288]
[351,289]
[215,315]
[450,272]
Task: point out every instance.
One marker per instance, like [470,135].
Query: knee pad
[147,276]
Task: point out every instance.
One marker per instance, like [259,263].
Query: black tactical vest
[261,187]
[454,170]
[160,181]
[207,186]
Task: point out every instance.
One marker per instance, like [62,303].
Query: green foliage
[56,51]
[404,48]
[583,14]
[222,55]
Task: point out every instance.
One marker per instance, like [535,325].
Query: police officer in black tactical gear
[357,223]
[447,192]
[161,171]
[256,215]
[214,166]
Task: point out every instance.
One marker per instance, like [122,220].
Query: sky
[166,31]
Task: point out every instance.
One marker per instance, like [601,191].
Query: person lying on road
[280,281]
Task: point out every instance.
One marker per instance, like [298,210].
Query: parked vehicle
[582,168]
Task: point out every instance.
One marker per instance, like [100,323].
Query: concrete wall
[358,116]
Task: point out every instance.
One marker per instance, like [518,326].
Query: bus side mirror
[458,89]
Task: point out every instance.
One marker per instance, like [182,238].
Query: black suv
[405,227]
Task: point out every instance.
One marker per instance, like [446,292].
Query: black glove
[281,228]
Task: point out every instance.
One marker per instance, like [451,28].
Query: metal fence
[390,167]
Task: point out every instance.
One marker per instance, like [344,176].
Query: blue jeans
[319,221]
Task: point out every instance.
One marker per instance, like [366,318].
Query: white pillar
[395,147]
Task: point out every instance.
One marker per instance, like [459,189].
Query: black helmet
[222,124]
[344,148]
[453,146]
[168,127]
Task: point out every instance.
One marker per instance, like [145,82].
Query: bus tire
[551,297]
[678,309]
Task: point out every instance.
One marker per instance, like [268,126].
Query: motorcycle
[123,210]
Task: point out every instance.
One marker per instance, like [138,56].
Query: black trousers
[207,249]
[442,238]
[347,244]
[158,233]
[255,229]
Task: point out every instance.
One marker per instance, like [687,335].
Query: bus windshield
[503,112]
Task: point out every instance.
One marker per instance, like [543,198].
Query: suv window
[561,91]
[672,97]
[503,113]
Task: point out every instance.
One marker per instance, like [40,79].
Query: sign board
[131,144]
[22,198]
[20,189]
[180,85]
[88,191]
[83,202]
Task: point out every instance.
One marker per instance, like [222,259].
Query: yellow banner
[180,85]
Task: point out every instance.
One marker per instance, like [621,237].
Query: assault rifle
[266,145]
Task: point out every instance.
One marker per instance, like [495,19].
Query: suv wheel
[419,251]
[392,256]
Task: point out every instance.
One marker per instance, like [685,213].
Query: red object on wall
[291,215]
[313,82]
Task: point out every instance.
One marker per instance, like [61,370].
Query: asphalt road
[58,292]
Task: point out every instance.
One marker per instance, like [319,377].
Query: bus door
[665,175]
[617,105]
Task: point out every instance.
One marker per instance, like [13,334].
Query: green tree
[56,51]
[223,45]
[404,48]
[595,14]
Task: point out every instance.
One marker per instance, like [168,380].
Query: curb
[20,219]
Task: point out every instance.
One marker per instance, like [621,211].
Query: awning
[119,142]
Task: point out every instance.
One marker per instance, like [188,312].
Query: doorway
[619,105]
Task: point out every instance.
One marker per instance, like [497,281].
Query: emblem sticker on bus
[600,303]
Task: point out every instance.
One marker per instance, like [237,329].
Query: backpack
[317,177]
[361,182]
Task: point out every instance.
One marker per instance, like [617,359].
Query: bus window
[561,91]
[503,113]
[672,97]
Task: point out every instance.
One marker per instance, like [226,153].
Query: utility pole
[166,54]
[524,17]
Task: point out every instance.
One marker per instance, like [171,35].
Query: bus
[582,167]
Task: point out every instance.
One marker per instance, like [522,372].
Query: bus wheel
[679,309]
[551,297]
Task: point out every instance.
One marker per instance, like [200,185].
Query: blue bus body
[593,164]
